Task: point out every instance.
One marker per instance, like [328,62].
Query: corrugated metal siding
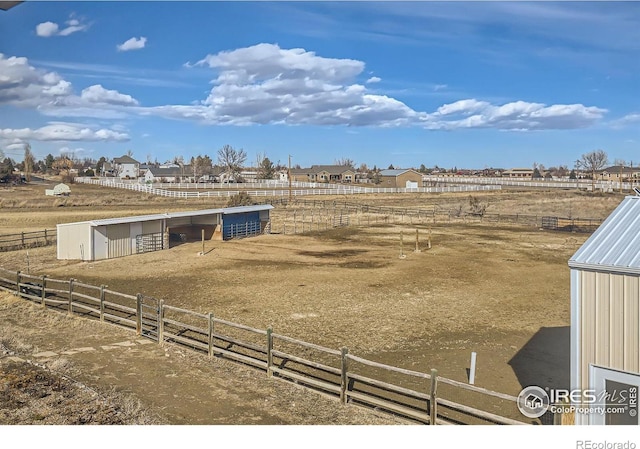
[609,322]
[231,222]
[602,319]
[74,241]
[631,324]
[616,243]
[119,240]
[616,324]
[151,227]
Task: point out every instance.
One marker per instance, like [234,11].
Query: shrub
[240,199]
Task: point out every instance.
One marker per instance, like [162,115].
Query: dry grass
[481,287]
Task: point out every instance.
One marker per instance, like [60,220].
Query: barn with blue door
[238,222]
[118,237]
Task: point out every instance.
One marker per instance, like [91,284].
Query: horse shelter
[118,237]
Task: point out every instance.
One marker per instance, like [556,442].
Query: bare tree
[592,162]
[231,160]
[346,162]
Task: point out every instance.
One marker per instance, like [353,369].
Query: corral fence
[22,240]
[419,397]
[262,191]
[570,224]
[302,215]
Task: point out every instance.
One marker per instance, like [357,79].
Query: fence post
[343,374]
[269,351]
[46,240]
[210,336]
[22,233]
[70,308]
[433,405]
[139,314]
[18,283]
[43,293]
[102,287]
[161,323]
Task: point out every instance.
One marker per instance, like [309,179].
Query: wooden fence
[300,220]
[419,397]
[21,240]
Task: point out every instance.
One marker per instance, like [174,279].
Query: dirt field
[502,292]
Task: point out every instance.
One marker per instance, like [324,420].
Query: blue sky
[480,84]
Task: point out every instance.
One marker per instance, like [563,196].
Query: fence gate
[149,310]
[148,242]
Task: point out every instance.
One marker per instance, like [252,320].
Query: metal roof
[193,213]
[394,172]
[123,220]
[615,245]
[243,209]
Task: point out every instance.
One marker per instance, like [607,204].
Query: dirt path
[176,385]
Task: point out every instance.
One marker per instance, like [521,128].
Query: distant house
[618,173]
[164,174]
[324,173]
[403,178]
[526,173]
[126,167]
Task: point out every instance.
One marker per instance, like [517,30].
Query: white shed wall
[74,241]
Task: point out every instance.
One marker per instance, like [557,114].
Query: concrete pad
[106,348]
[46,354]
[70,352]
[144,342]
[14,359]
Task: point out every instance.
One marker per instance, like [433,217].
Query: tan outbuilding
[401,178]
[118,237]
[605,317]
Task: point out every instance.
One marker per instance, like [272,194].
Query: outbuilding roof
[395,172]
[193,213]
[615,245]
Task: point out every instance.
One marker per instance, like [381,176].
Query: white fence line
[556,183]
[338,190]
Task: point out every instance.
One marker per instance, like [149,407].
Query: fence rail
[406,393]
[321,189]
[21,240]
[342,213]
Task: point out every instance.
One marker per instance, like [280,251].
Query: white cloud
[64,132]
[132,44]
[629,119]
[439,87]
[23,85]
[48,29]
[374,79]
[518,115]
[265,84]
[98,94]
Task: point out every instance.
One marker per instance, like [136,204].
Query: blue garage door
[240,225]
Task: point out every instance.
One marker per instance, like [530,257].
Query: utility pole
[289,176]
